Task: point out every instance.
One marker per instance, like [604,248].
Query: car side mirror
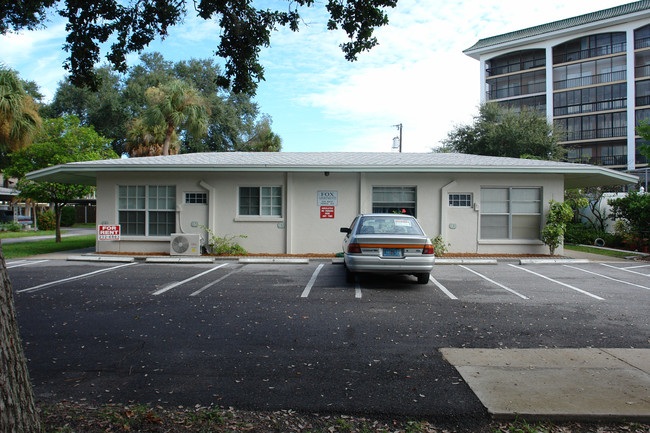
[345,230]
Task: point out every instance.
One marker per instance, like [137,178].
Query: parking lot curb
[100,259]
[179,260]
[466,262]
[551,261]
[274,260]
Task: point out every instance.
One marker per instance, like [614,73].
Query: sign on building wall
[327,200]
[108,233]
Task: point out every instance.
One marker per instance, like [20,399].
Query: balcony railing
[601,160]
[591,134]
[588,53]
[592,107]
[519,90]
[589,80]
[642,71]
[641,43]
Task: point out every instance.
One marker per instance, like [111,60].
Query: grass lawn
[26,249]
[603,252]
[28,233]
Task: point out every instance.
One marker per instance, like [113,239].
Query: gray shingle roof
[575,175]
[593,17]
[314,160]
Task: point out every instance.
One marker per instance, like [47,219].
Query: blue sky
[417,76]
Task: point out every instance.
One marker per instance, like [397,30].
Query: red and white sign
[108,233]
[326,212]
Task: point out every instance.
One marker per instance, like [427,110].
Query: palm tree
[19,122]
[178,106]
[19,119]
[144,140]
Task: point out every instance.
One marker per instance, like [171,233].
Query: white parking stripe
[178,283]
[311,282]
[357,291]
[442,288]
[558,282]
[608,277]
[625,269]
[20,263]
[78,277]
[494,282]
[207,286]
[636,267]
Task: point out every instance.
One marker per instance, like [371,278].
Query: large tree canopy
[497,132]
[61,141]
[132,25]
[234,120]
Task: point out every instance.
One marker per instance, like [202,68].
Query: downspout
[288,227]
[443,208]
[211,206]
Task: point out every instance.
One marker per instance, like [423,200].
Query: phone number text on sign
[326,212]
[108,233]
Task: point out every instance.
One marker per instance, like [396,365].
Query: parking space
[274,336]
[503,283]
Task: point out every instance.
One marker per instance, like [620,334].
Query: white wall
[301,229]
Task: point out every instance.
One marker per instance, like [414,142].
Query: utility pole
[399,127]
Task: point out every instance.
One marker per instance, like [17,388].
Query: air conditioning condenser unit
[185,244]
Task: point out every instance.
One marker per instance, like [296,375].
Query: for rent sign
[108,233]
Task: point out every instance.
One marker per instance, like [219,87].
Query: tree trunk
[17,407]
[168,139]
[58,211]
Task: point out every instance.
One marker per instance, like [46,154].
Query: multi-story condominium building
[589,74]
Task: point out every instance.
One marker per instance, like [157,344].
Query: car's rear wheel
[422,278]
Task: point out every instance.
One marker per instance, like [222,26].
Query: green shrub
[68,216]
[577,233]
[439,245]
[11,226]
[224,245]
[47,221]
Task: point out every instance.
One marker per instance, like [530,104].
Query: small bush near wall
[47,221]
[10,227]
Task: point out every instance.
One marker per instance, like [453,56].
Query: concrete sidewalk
[558,384]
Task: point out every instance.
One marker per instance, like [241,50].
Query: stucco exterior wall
[301,229]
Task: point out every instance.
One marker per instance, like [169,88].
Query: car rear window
[389,225]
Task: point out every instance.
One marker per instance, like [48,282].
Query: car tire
[422,278]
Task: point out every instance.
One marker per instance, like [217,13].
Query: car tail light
[428,249]
[354,249]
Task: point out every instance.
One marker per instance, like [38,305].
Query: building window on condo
[511,213]
[394,199]
[260,201]
[147,210]
[196,198]
[460,200]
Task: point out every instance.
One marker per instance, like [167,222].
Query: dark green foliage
[582,234]
[496,132]
[68,216]
[131,26]
[635,210]
[234,124]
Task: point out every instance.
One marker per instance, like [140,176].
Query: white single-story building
[295,203]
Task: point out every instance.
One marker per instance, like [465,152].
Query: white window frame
[146,206]
[397,205]
[510,214]
[260,215]
[191,198]
[460,199]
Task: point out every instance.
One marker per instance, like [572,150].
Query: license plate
[391,252]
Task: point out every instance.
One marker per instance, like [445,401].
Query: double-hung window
[264,201]
[511,213]
[394,199]
[147,210]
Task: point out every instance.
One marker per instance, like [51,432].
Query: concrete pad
[460,261]
[551,261]
[558,384]
[101,259]
[274,260]
[179,260]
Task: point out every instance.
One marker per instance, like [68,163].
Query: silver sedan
[387,243]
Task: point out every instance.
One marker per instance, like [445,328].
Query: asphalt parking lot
[260,336]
